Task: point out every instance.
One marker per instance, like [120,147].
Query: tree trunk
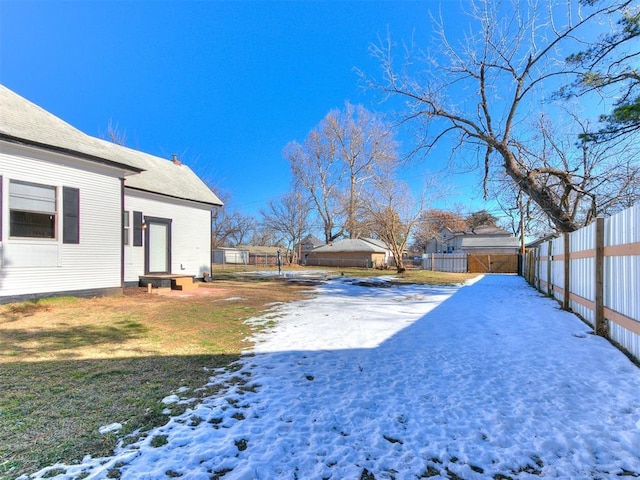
[540,194]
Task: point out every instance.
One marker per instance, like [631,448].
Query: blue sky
[224,84]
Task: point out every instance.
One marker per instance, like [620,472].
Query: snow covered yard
[485,381]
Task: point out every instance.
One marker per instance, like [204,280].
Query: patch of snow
[112,427]
[171,399]
[485,380]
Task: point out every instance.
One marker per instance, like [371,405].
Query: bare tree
[264,236]
[484,90]
[289,216]
[604,176]
[337,161]
[243,228]
[433,224]
[367,149]
[229,227]
[316,169]
[522,217]
[481,218]
[392,214]
[115,134]
[222,227]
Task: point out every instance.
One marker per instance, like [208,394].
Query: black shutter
[0,208]
[70,215]
[137,229]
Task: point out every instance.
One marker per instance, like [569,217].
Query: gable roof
[498,241]
[311,240]
[26,123]
[488,230]
[351,245]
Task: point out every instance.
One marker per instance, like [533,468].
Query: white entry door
[158,245]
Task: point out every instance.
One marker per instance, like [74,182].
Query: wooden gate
[493,263]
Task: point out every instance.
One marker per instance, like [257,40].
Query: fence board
[493,263]
[582,265]
[445,262]
[598,270]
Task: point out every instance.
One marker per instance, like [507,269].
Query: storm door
[157,245]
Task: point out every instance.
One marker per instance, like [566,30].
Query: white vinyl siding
[190,232]
[41,265]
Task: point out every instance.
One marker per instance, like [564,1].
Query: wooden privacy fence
[595,272]
[445,262]
[493,263]
[472,263]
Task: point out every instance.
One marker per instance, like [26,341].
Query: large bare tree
[336,162]
[392,214]
[486,89]
[366,148]
[317,170]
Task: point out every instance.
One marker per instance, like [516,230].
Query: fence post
[537,268]
[567,266]
[600,324]
[549,264]
[433,262]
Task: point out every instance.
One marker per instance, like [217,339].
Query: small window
[32,210]
[125,224]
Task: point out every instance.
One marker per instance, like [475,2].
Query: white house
[482,239]
[83,216]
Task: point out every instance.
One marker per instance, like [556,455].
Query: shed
[230,255]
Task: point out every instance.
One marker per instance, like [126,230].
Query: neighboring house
[361,252]
[83,216]
[490,245]
[482,239]
[305,246]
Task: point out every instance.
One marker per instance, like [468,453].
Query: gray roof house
[482,239]
[361,252]
[83,216]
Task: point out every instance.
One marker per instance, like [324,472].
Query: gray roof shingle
[490,242]
[24,122]
[349,245]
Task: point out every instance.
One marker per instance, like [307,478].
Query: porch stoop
[165,282]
